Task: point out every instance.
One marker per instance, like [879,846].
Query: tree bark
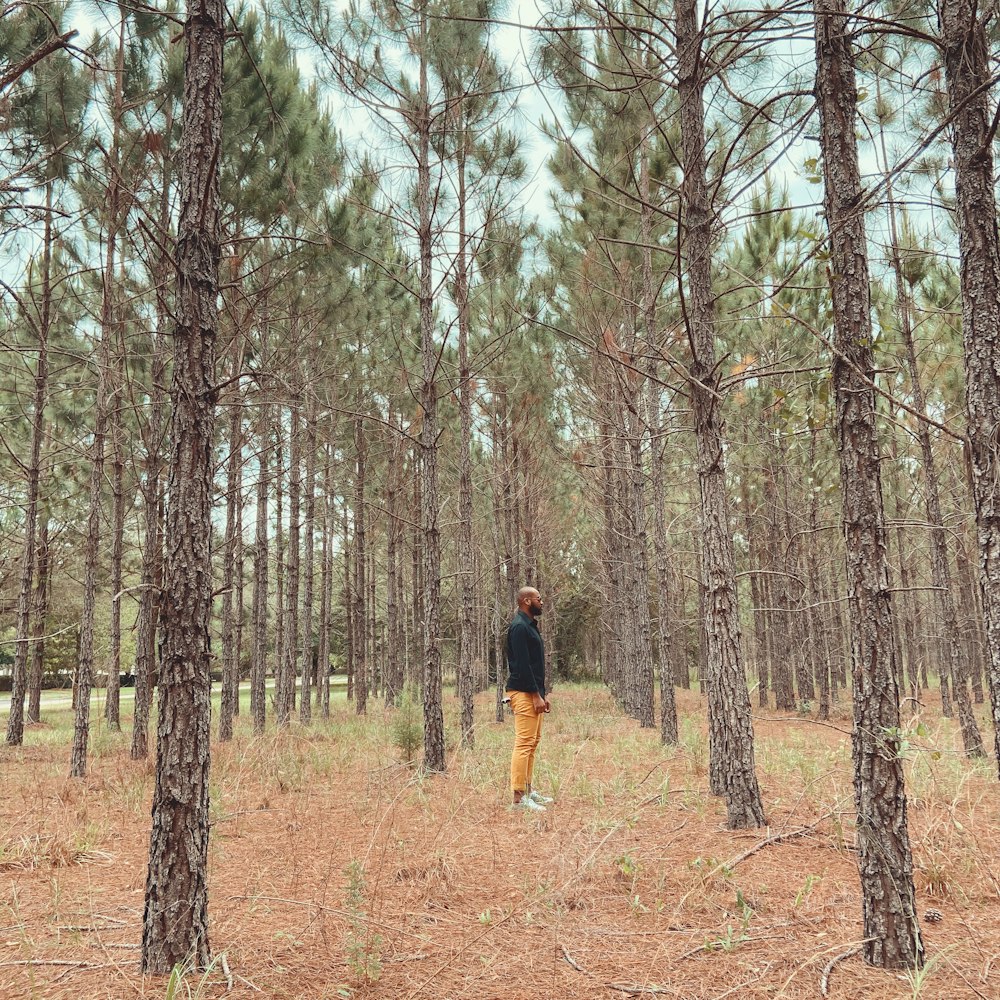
[111,333]
[434,759]
[360,589]
[637,546]
[815,593]
[967,73]
[669,733]
[948,629]
[112,703]
[19,678]
[326,593]
[305,701]
[39,616]
[234,473]
[394,566]
[152,499]
[790,564]
[280,663]
[92,547]
[261,565]
[415,647]
[891,930]
[290,654]
[347,546]
[777,588]
[466,624]
[971,623]
[175,922]
[729,700]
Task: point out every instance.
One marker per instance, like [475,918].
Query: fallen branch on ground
[635,989]
[225,968]
[779,837]
[824,981]
[59,961]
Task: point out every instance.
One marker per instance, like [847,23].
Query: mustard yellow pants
[527,735]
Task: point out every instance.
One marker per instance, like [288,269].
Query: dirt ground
[338,871]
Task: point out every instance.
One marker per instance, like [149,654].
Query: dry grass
[337,870]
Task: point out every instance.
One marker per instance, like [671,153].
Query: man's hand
[538,703]
[548,707]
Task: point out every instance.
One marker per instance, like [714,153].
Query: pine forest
[331,330]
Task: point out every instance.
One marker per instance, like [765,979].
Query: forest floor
[339,871]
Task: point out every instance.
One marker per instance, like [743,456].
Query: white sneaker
[540,800]
[528,803]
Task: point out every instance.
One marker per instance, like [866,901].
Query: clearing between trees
[337,870]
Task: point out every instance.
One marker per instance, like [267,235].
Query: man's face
[535,604]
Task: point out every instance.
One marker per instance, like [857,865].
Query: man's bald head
[529,601]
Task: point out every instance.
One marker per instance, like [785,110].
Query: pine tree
[891,929]
[966,59]
[45,114]
[175,922]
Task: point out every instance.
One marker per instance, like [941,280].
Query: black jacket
[525,656]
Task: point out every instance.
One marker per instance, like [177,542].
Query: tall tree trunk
[831,635]
[152,570]
[500,558]
[729,700]
[393,602]
[840,647]
[507,572]
[972,621]
[950,646]
[499,620]
[967,72]
[292,567]
[111,332]
[85,669]
[416,645]
[39,616]
[360,588]
[815,593]
[657,457]
[152,499]
[669,732]
[19,678]
[433,710]
[466,602]
[234,486]
[758,598]
[112,702]
[175,923]
[612,623]
[757,592]
[348,601]
[904,637]
[85,666]
[803,673]
[777,586]
[239,609]
[638,563]
[280,663]
[326,593]
[891,930]
[374,653]
[258,656]
[305,702]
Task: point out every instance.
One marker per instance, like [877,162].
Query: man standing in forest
[526,693]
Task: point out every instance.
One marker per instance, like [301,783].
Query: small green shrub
[407,731]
